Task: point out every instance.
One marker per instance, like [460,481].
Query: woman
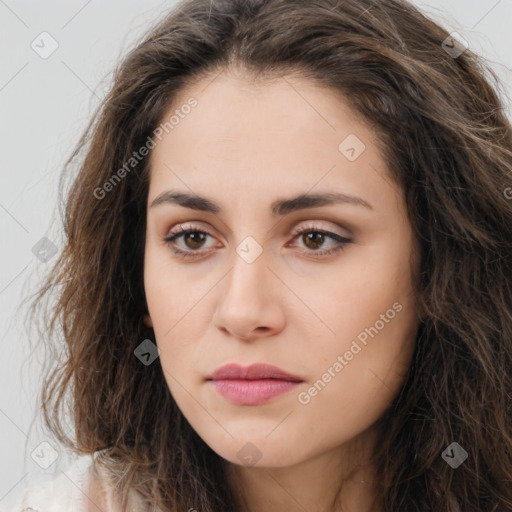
[287,278]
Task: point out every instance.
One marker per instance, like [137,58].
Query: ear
[147,321]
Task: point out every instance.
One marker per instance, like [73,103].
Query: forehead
[253,139]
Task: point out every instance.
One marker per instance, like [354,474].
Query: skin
[245,145]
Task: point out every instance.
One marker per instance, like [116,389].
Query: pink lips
[252,385]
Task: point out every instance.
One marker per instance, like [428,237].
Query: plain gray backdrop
[45,103]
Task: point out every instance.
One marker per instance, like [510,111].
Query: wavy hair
[448,144]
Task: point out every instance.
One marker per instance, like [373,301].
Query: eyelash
[180,232]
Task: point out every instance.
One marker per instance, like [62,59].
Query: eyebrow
[279,207]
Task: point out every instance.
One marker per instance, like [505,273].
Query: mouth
[253,385]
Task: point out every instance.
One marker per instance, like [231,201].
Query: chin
[259,452]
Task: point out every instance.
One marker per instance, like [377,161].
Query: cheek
[355,294]
[369,318]
[175,309]
[164,288]
[356,373]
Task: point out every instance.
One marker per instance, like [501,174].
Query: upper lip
[252,372]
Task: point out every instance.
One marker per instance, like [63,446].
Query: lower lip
[252,392]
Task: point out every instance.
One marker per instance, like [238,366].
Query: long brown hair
[447,143]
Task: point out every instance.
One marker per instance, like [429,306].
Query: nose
[250,301]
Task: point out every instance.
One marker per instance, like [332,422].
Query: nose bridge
[249,267]
[245,306]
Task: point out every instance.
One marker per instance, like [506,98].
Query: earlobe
[147,321]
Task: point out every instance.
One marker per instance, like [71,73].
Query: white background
[44,107]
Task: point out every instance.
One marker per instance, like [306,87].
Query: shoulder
[66,492]
[83,487]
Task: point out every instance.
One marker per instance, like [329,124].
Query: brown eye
[192,240]
[196,239]
[313,239]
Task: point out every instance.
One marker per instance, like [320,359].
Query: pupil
[311,238]
[196,238]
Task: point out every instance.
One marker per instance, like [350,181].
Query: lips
[253,385]
[253,372]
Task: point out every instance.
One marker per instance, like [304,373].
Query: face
[319,288]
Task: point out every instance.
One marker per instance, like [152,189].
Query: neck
[330,482]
